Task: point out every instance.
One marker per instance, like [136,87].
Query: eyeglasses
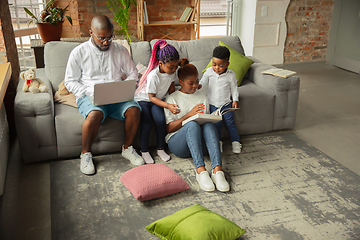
[103,39]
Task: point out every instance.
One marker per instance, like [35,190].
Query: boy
[223,85]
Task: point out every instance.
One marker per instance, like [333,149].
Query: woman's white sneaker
[219,179]
[86,163]
[205,181]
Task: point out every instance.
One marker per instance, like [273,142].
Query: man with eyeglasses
[100,60]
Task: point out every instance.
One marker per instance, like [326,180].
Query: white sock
[147,157]
[163,155]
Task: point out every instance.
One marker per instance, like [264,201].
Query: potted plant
[121,11]
[49,22]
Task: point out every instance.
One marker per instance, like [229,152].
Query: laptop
[113,92]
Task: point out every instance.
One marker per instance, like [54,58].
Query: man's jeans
[193,140]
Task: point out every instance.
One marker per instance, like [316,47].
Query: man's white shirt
[87,65]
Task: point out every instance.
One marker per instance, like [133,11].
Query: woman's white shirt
[87,66]
[186,102]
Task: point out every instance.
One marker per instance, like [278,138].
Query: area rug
[281,188]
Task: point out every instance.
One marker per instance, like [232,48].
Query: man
[100,60]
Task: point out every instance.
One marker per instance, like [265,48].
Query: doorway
[344,41]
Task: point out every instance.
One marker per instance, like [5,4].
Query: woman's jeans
[152,113]
[193,140]
[229,122]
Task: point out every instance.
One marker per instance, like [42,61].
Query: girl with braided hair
[157,81]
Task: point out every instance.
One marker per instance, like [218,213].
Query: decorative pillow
[62,95]
[151,181]
[195,223]
[125,43]
[238,63]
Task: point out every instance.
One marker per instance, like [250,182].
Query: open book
[279,72]
[214,117]
[222,112]
[202,118]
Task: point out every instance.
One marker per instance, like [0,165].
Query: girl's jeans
[192,140]
[152,113]
[229,122]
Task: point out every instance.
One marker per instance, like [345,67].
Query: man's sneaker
[221,146]
[131,155]
[220,182]
[236,147]
[86,163]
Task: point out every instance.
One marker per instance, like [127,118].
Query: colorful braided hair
[162,51]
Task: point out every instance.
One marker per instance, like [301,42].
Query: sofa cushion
[68,122]
[253,97]
[56,54]
[140,52]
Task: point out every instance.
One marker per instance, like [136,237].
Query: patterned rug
[281,188]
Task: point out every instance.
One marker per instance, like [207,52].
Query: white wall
[243,23]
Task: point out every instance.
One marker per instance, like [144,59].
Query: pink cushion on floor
[151,181]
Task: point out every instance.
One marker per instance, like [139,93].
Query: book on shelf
[146,17]
[192,16]
[214,117]
[279,72]
[186,14]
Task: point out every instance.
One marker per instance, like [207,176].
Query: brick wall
[82,11]
[308,23]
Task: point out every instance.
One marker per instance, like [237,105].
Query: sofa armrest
[286,91]
[34,119]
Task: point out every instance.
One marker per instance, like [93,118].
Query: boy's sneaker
[131,155]
[86,163]
[221,146]
[236,147]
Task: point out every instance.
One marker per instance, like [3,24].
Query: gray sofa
[48,130]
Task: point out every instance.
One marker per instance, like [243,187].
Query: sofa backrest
[199,52]
[56,54]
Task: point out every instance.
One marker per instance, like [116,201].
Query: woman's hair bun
[183,61]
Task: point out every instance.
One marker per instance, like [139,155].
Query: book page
[271,71]
[284,73]
[202,118]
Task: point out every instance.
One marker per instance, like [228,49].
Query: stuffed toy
[32,84]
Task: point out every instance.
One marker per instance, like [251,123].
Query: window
[215,18]
[25,32]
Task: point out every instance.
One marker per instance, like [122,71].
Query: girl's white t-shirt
[157,83]
[186,102]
